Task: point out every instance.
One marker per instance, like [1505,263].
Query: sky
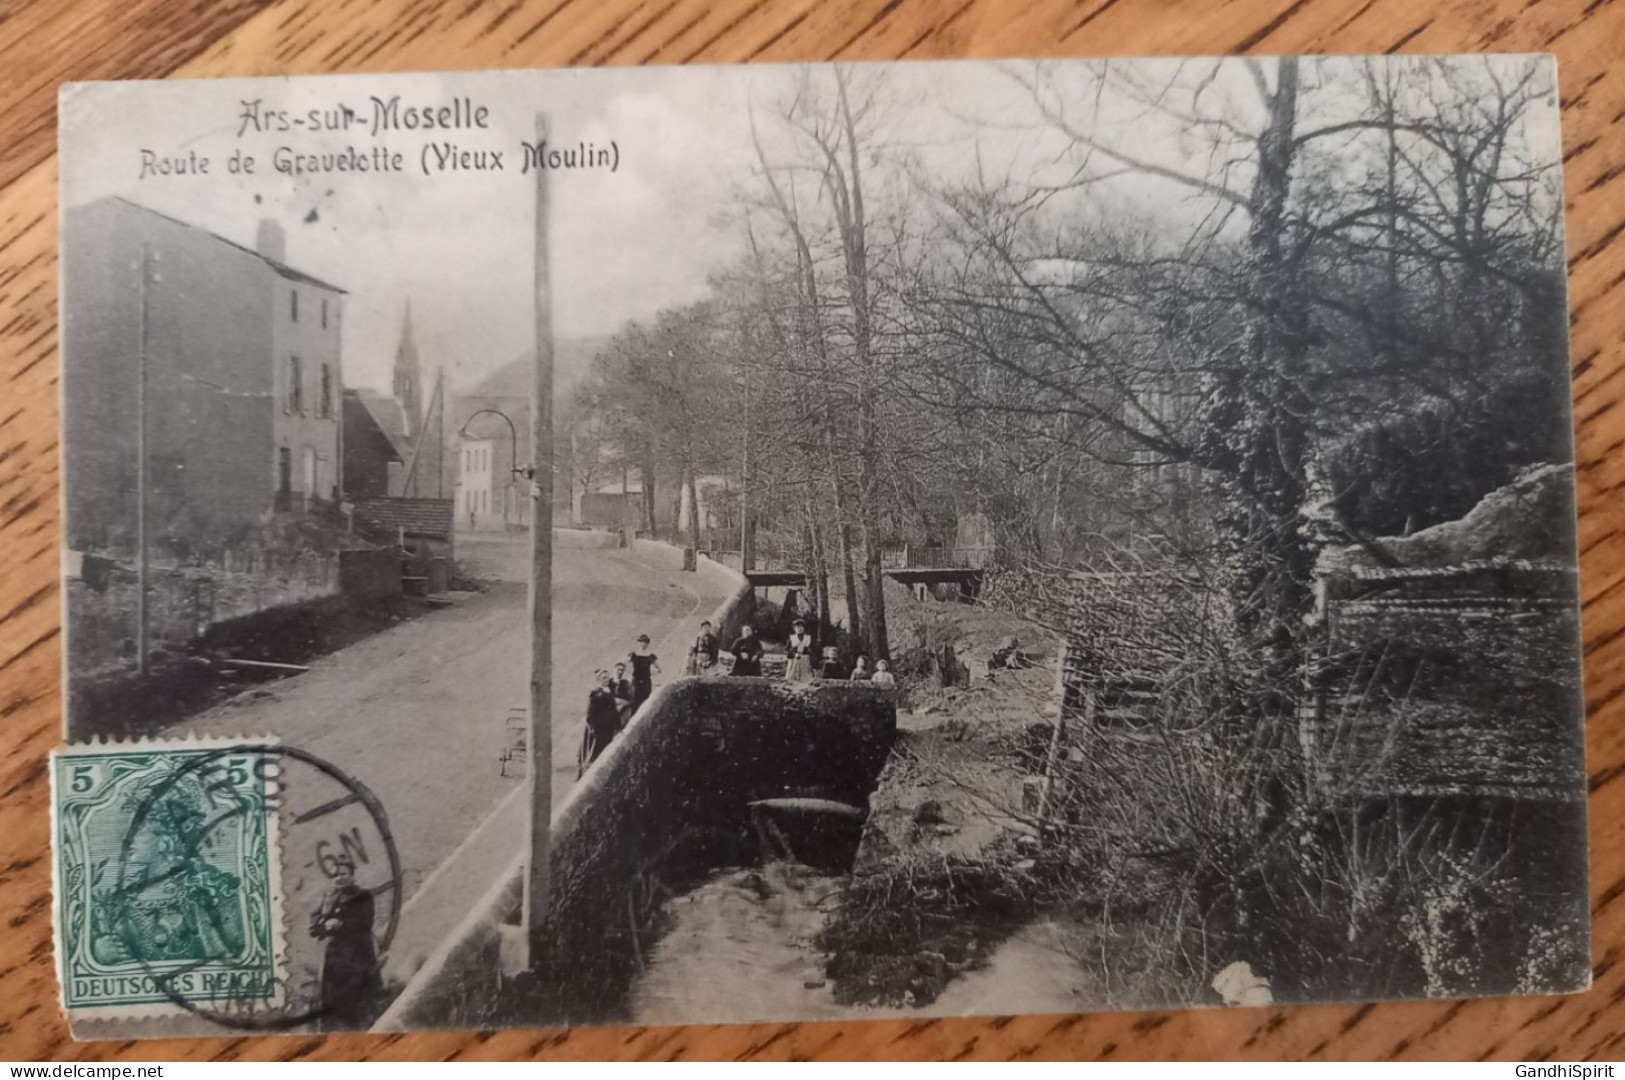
[625,244]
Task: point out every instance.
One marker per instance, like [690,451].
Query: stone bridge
[670,799]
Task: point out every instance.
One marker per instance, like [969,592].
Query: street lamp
[513,446]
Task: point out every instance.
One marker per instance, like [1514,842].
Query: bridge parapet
[671,794]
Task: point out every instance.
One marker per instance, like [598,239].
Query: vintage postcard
[767,543]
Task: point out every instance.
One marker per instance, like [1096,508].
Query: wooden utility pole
[747,532]
[538,832]
[142,468]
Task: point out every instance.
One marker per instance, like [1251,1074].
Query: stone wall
[370,574]
[1450,681]
[191,592]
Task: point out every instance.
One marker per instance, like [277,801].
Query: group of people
[704,655]
[615,697]
[799,663]
[619,693]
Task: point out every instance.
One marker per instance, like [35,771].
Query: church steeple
[408,379]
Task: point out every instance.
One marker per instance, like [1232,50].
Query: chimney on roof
[271,241]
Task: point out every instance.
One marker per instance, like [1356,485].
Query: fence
[936,557]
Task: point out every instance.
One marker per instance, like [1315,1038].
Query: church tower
[408,384]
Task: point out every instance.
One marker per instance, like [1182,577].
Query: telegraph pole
[537,841]
[143,560]
[747,532]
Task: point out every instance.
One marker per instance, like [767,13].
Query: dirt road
[417,712]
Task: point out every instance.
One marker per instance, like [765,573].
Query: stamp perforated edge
[274,838]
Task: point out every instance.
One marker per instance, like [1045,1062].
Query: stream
[739,948]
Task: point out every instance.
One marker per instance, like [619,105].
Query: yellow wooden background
[43,43]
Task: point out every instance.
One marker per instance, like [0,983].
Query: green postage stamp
[167,879]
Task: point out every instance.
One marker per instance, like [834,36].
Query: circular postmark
[200,889]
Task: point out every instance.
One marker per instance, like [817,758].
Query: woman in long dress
[798,654]
[702,655]
[645,666]
[351,985]
[603,723]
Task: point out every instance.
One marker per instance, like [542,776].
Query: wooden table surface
[46,42]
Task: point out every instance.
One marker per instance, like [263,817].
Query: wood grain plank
[46,42]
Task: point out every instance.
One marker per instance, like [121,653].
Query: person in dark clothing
[832,668]
[747,650]
[351,985]
[603,722]
[702,656]
[621,687]
[645,665]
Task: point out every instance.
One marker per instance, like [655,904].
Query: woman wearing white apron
[798,654]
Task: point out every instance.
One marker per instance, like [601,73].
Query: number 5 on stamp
[167,877]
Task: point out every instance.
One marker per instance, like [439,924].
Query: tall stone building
[220,364]
[203,434]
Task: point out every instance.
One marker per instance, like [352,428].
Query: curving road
[417,713]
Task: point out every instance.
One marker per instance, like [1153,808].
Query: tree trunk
[747,523]
[646,466]
[693,510]
[843,535]
[853,223]
[1259,425]
[817,572]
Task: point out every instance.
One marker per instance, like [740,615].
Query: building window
[324,313]
[284,476]
[326,401]
[296,386]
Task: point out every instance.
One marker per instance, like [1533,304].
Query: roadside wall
[658,553]
[190,592]
[587,539]
[738,609]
